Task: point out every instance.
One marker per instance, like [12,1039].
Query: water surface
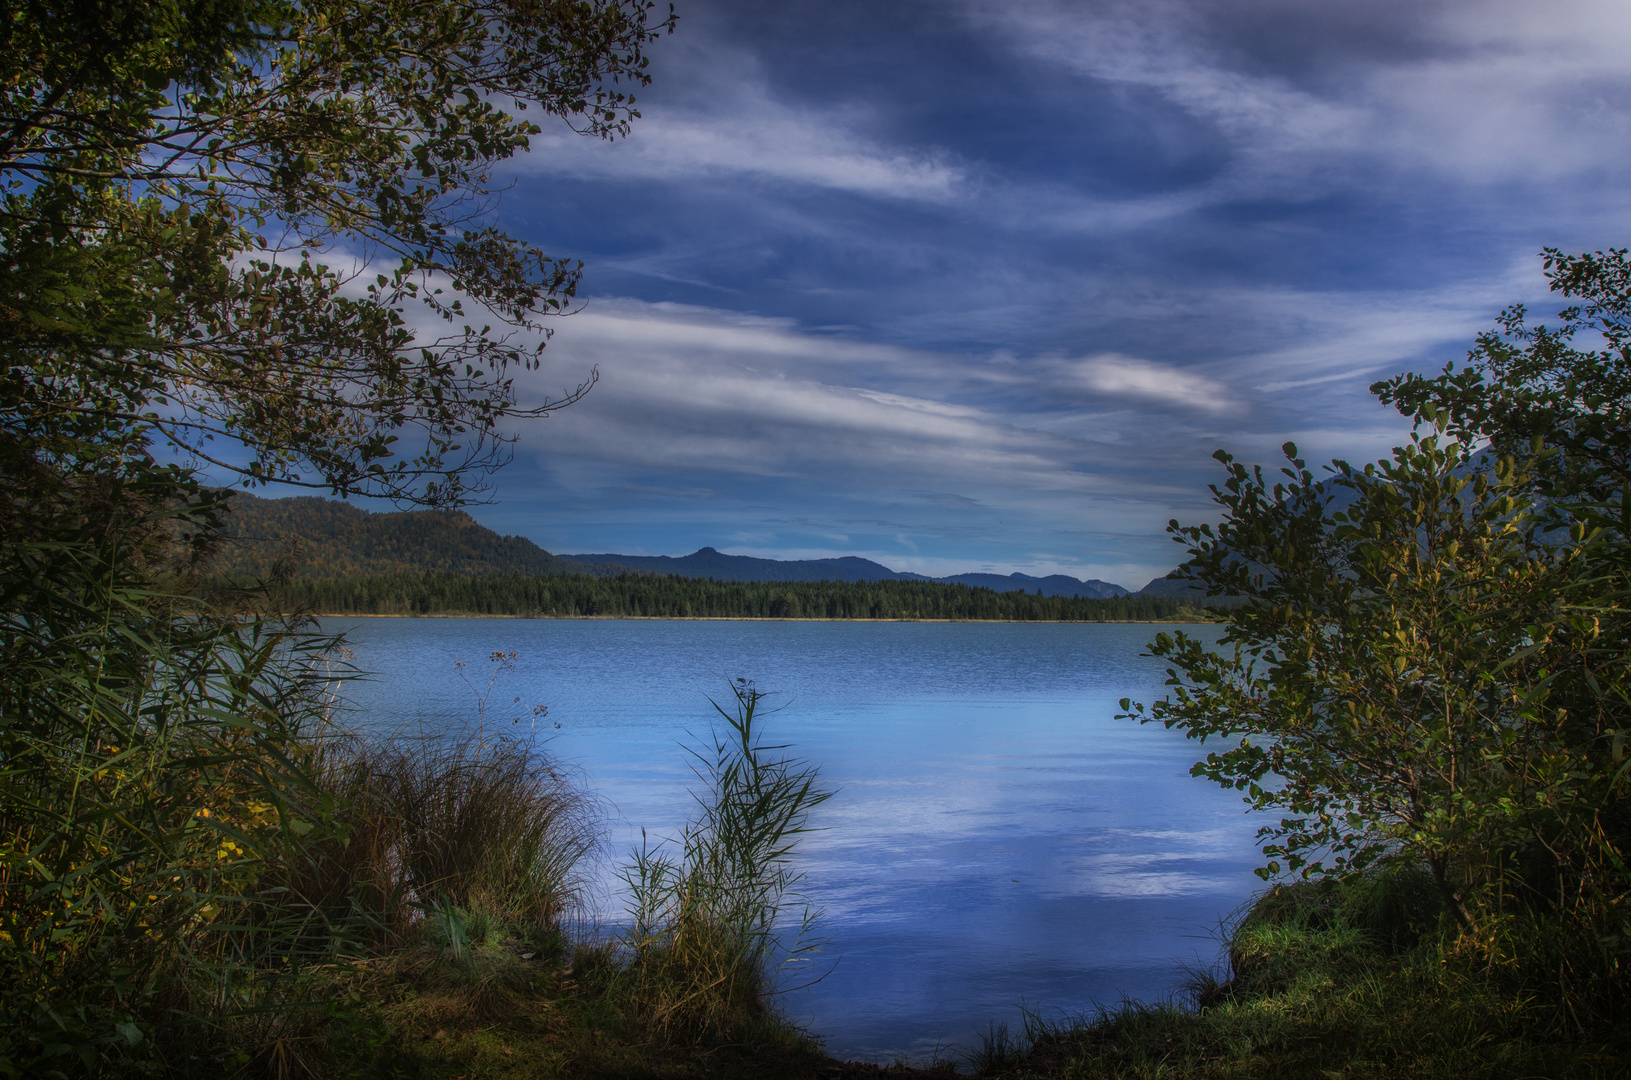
[998,837]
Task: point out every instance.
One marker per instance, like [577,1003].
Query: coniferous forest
[671,597]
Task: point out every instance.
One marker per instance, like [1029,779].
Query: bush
[151,770]
[188,848]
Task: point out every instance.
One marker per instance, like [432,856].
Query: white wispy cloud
[1485,92]
[694,388]
[731,125]
[1127,377]
[1106,447]
[713,400]
[765,140]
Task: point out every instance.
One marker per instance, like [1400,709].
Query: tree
[221,220]
[1377,599]
[1429,666]
[1532,391]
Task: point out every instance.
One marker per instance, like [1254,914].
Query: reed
[705,951]
[151,770]
[193,862]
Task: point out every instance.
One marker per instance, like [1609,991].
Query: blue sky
[981,285]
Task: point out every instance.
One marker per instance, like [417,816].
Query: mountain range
[324,538]
[709,562]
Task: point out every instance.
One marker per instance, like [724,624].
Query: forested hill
[343,560]
[1173,587]
[1052,585]
[711,563]
[324,538]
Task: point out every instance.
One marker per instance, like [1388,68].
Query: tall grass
[191,859]
[485,822]
[430,849]
[705,908]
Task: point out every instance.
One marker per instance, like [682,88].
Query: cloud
[731,125]
[1128,377]
[764,140]
[826,445]
[822,442]
[692,388]
[1302,94]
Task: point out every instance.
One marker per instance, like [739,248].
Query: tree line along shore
[649,596]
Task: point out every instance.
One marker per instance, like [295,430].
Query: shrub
[150,772]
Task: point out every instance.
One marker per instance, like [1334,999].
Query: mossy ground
[506,1018]
[1373,1024]
[497,1016]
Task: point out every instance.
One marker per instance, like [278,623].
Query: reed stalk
[706,908]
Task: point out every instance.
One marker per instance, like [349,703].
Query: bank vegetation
[650,596]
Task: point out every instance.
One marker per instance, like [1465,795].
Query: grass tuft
[485,824]
[704,939]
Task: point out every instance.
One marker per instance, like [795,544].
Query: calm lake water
[998,838]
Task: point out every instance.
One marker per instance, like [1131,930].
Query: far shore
[743,618]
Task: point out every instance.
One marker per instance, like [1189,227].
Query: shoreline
[744,618]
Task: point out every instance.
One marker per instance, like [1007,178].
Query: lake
[998,838]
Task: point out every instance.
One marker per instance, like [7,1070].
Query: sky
[964,285]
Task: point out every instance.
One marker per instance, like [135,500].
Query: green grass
[686,991]
[485,823]
[704,952]
[1330,980]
